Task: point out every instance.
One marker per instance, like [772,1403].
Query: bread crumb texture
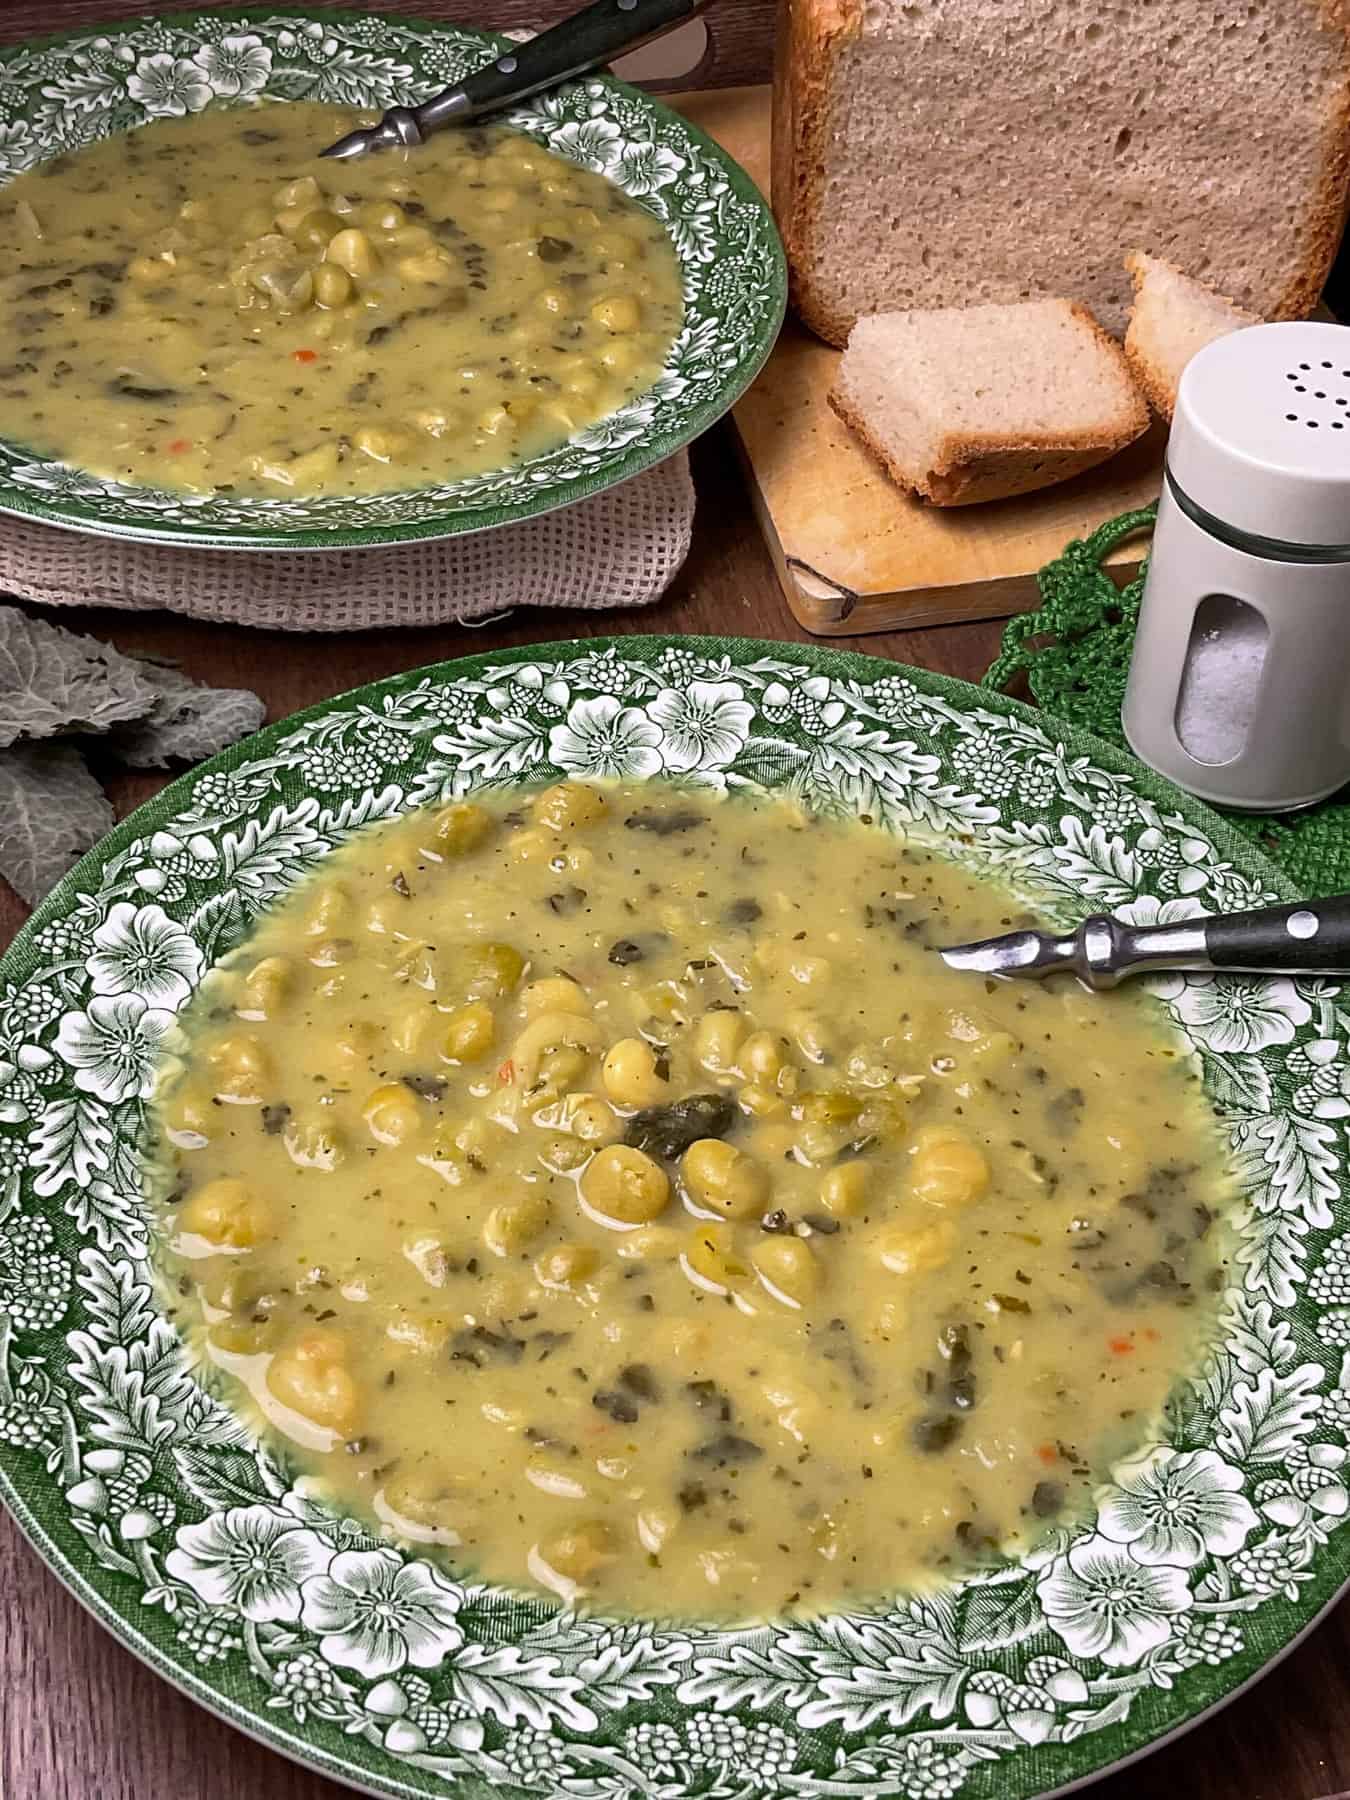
[981,403]
[938,153]
[1173,317]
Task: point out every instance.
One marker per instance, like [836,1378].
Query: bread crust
[1331,207]
[976,466]
[1155,388]
[973,469]
[811,32]
[1158,390]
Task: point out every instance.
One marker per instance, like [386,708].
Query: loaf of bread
[984,402]
[1172,317]
[932,153]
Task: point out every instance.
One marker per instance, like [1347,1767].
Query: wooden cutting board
[853,553]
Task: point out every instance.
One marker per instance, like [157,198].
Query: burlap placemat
[620,548]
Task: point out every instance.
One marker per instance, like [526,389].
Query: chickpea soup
[206,304]
[608,1185]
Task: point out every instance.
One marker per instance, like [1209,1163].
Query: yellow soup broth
[206,304]
[611,1186]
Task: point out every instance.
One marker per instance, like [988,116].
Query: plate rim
[1112,756]
[637,459]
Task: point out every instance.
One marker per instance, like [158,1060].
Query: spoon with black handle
[1312,937]
[603,31]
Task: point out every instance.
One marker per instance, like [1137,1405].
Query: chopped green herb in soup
[610,1186]
[207,304]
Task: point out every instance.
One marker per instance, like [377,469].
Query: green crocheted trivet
[1075,654]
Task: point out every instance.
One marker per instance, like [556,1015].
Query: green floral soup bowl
[1207,1555]
[61,94]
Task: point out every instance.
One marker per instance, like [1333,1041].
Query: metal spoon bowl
[1311,937]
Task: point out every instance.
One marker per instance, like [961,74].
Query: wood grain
[740,31]
[855,554]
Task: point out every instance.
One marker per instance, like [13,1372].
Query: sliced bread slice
[978,403]
[933,153]
[1173,316]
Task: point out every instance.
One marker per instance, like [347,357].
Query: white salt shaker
[1239,685]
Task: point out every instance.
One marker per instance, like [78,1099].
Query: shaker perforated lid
[1261,436]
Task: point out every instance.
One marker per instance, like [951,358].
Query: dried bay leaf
[186,723]
[53,681]
[51,811]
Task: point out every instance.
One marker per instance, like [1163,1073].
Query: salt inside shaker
[1239,686]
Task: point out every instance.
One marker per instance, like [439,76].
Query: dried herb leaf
[479,1346]
[742,912]
[639,1379]
[1047,1499]
[184,722]
[53,681]
[620,1407]
[935,1432]
[727,1449]
[426,1087]
[51,811]
[668,1131]
[665,824]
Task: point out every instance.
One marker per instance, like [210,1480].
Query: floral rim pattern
[1209,1551]
[60,95]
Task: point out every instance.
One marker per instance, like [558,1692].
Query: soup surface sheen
[207,304]
[611,1186]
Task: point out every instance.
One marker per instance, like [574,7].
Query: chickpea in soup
[206,304]
[609,1186]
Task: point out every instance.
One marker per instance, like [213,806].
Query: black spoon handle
[1309,936]
[589,38]
[585,41]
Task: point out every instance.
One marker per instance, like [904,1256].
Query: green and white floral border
[64,93]
[1209,1552]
